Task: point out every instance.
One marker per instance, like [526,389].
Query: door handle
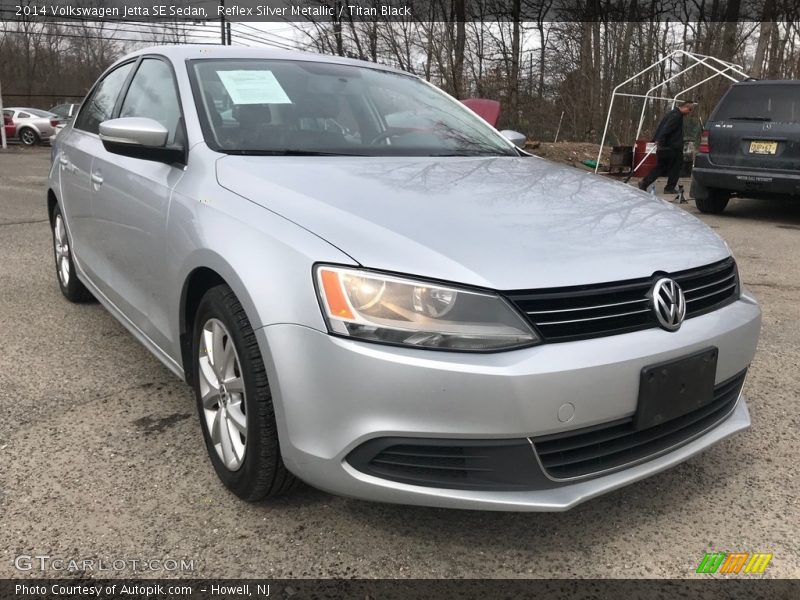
[97,179]
[63,160]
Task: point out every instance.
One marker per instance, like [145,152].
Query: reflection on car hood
[503,223]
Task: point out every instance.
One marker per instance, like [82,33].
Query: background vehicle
[371,289]
[33,125]
[751,145]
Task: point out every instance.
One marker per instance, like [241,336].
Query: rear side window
[761,102]
[152,94]
[100,104]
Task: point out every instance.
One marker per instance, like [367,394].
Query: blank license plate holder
[673,388]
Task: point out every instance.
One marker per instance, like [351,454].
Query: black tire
[262,473]
[68,282]
[28,136]
[714,203]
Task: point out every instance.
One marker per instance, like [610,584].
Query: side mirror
[515,137]
[140,137]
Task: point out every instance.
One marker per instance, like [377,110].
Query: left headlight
[409,312]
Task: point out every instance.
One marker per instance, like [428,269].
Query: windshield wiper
[749,119]
[290,152]
[473,154]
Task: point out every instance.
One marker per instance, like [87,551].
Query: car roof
[182,52]
[768,82]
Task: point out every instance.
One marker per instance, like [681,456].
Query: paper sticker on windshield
[253,87]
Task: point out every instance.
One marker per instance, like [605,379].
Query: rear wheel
[714,203]
[70,285]
[234,400]
[28,136]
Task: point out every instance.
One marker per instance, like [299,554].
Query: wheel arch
[198,280]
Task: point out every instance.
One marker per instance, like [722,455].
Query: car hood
[499,222]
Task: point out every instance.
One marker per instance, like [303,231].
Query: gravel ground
[102,455]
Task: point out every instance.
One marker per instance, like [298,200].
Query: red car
[11,129]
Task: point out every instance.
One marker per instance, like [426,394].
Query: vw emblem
[669,305]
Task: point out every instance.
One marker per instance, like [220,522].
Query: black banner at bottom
[713,588]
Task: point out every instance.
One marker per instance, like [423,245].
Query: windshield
[761,102]
[296,107]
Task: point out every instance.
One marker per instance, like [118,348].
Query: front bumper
[332,394]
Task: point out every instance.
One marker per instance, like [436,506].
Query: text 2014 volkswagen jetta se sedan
[370,289]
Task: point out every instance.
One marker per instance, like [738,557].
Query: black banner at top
[399,10]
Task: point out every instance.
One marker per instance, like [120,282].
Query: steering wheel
[386,134]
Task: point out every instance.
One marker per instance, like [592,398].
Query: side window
[23,115]
[99,106]
[152,94]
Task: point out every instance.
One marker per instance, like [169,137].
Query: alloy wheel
[28,137]
[61,244]
[222,394]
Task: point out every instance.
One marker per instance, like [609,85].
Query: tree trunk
[777,44]
[764,35]
[542,58]
[337,28]
[597,62]
[728,49]
[513,79]
[458,50]
[585,80]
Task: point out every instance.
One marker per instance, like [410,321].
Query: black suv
[751,145]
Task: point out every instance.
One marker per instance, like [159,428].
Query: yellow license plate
[763,147]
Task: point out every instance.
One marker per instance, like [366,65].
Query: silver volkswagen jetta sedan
[415,312]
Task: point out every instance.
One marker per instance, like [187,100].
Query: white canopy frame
[719,68]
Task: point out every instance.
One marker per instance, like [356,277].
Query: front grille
[456,464]
[612,445]
[581,312]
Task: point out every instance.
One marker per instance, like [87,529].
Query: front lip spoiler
[548,500]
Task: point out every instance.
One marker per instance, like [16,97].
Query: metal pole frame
[697,63]
[699,60]
[646,103]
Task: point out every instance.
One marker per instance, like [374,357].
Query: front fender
[266,259]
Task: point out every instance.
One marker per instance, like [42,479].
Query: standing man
[669,137]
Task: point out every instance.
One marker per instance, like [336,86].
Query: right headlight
[396,310]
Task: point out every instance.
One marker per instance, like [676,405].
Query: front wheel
[714,203]
[234,400]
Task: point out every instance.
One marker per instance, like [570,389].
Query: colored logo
[734,562]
